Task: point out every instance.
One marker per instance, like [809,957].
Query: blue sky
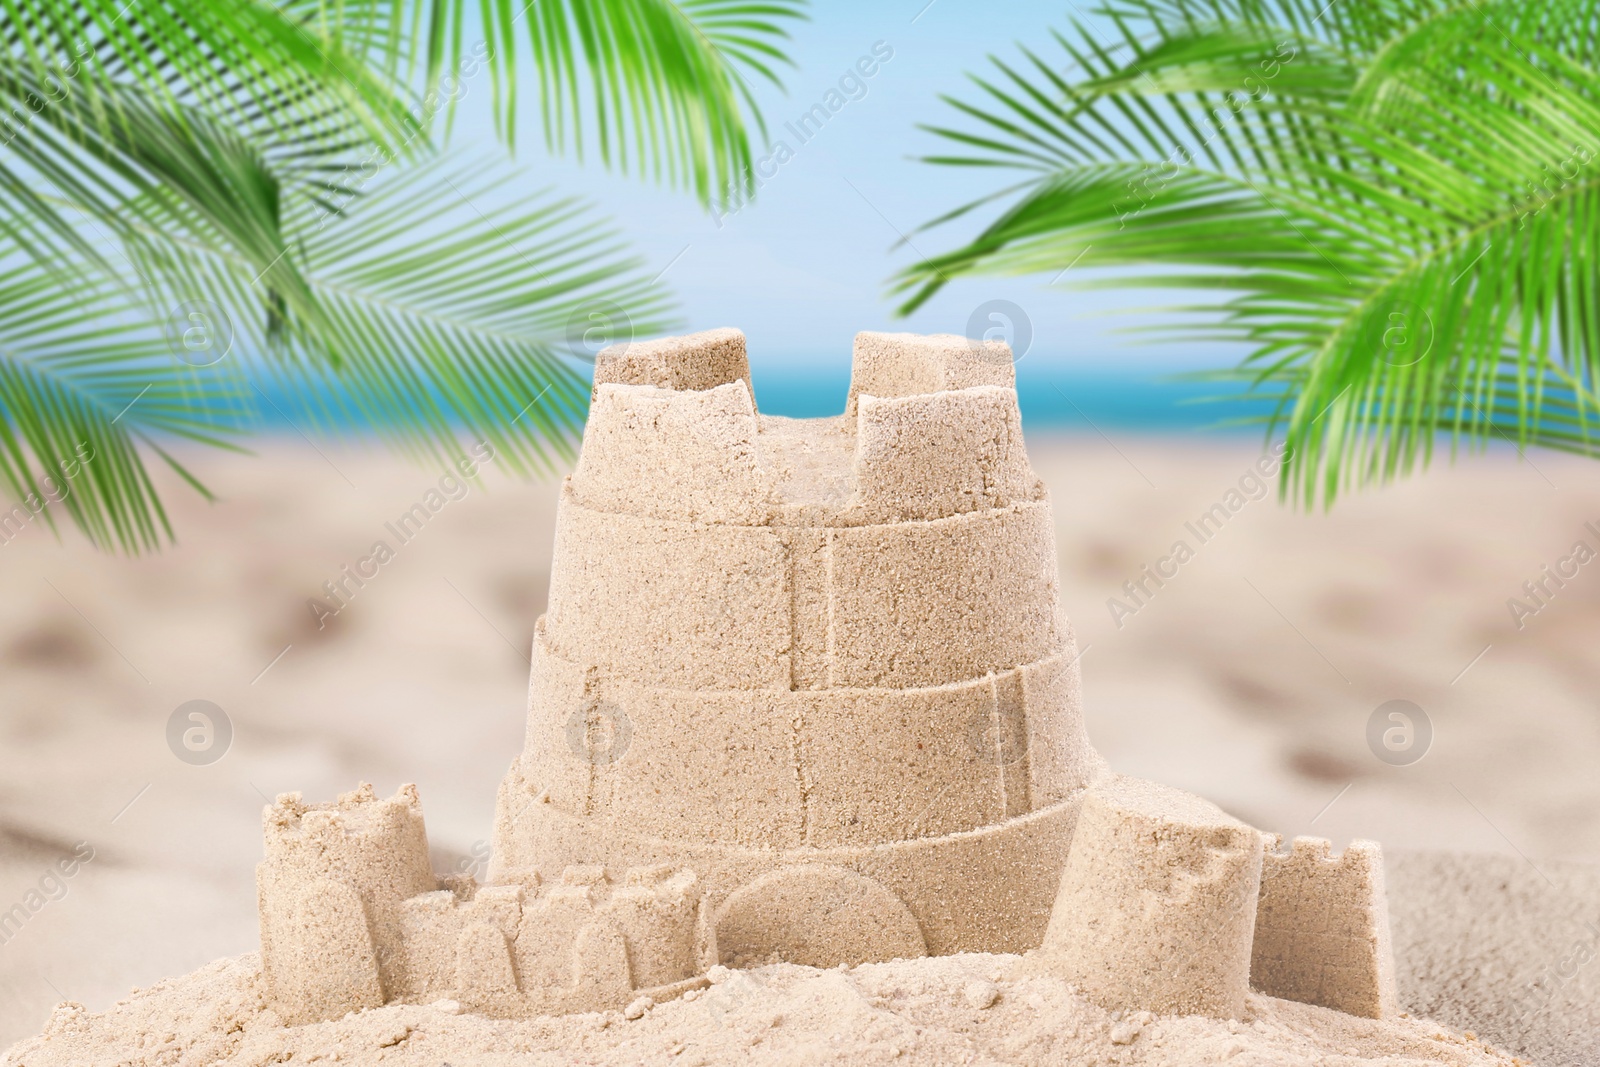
[804,267]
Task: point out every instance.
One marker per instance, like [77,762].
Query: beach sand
[970,1008]
[1248,677]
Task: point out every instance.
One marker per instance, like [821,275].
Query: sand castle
[804,692]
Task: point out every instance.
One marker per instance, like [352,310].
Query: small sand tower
[818,661]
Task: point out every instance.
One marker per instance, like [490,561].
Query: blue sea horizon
[1149,398]
[1052,395]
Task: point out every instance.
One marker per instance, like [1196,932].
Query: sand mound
[1504,946]
[969,1009]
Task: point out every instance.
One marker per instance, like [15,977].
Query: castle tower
[820,662]
[330,892]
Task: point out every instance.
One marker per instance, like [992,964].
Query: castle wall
[669,455]
[813,768]
[817,915]
[1058,757]
[1157,903]
[317,951]
[927,603]
[703,454]
[983,890]
[778,642]
[330,890]
[810,556]
[433,926]
[719,764]
[930,455]
[351,918]
[674,603]
[715,607]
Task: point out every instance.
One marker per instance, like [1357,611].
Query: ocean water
[1101,398]
[1052,396]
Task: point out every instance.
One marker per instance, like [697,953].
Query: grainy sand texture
[1249,673]
[965,1009]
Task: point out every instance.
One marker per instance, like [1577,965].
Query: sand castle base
[944,886]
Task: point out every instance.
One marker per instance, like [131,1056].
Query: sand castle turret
[804,692]
[1157,906]
[833,649]
[330,891]
[1322,928]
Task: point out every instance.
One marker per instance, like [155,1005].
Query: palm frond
[251,58]
[173,168]
[1406,225]
[654,87]
[449,307]
[81,399]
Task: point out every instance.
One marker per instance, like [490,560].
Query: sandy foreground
[1248,678]
[966,1009]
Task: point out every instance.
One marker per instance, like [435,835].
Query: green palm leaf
[78,399]
[259,172]
[657,87]
[1377,214]
[275,64]
[448,307]
[471,328]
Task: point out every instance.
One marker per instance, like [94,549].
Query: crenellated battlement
[674,433]
[1322,927]
[1310,853]
[695,361]
[349,920]
[356,822]
[881,364]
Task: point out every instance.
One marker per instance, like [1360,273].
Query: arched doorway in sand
[816,914]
